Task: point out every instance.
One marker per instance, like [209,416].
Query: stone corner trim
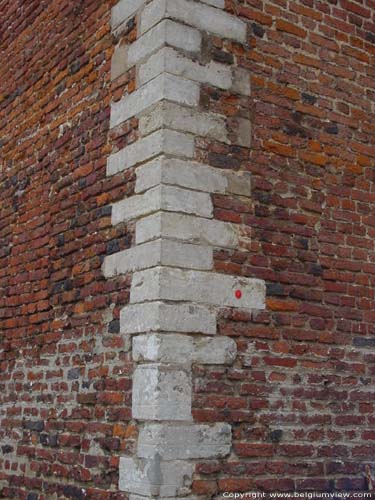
[175,293]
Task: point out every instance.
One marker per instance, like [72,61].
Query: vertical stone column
[175,293]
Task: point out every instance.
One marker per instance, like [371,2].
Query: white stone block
[160,317]
[123,10]
[184,442]
[166,283]
[118,61]
[156,253]
[195,14]
[239,183]
[187,174]
[220,4]
[161,392]
[184,349]
[241,81]
[163,348]
[173,116]
[153,477]
[214,350]
[169,198]
[243,132]
[186,228]
[161,142]
[165,86]
[170,61]
[165,33]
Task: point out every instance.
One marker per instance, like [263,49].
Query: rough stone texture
[160,142]
[123,10]
[158,316]
[195,14]
[171,61]
[168,198]
[186,228]
[164,86]
[181,349]
[182,119]
[190,175]
[156,253]
[173,442]
[153,477]
[167,283]
[161,392]
[166,32]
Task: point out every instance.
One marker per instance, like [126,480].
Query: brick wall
[299,396]
[301,391]
[65,372]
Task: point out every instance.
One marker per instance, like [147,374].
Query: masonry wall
[298,395]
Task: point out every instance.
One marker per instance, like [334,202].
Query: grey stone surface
[195,14]
[160,317]
[118,62]
[167,32]
[123,10]
[164,86]
[187,228]
[152,477]
[197,286]
[171,441]
[244,132]
[186,174]
[183,349]
[160,142]
[163,348]
[158,252]
[183,119]
[241,81]
[169,60]
[161,392]
[168,198]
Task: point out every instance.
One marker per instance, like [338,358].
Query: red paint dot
[238,294]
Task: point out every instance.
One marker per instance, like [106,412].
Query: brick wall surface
[299,395]
[65,371]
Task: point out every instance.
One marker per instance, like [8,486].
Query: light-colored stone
[169,60]
[241,82]
[186,228]
[187,174]
[118,62]
[214,350]
[165,33]
[244,132]
[239,183]
[168,198]
[156,253]
[220,4]
[184,349]
[195,14]
[160,317]
[164,283]
[161,392]
[123,10]
[164,86]
[168,114]
[153,477]
[178,441]
[161,142]
[163,348]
